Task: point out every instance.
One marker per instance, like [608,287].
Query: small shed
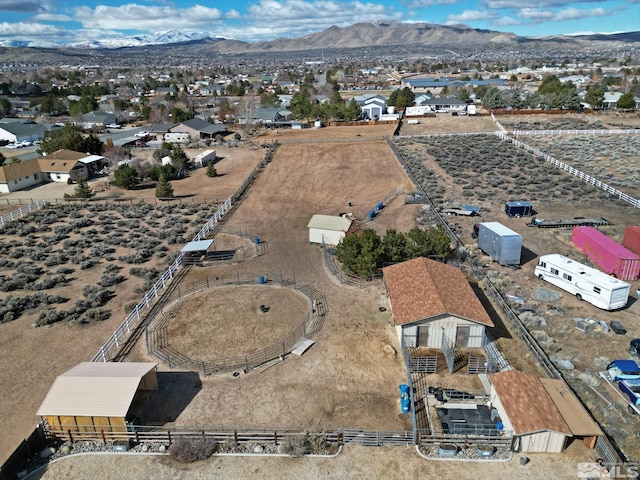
[542,413]
[98,396]
[329,229]
[196,250]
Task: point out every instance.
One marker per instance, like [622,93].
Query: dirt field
[31,358]
[349,378]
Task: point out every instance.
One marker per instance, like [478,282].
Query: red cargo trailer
[632,239]
[608,254]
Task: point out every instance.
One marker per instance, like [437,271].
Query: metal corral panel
[501,243]
[632,239]
[608,254]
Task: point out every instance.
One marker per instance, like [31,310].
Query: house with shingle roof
[433,305]
[21,130]
[199,129]
[543,414]
[59,166]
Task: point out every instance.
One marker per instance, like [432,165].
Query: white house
[543,414]
[329,229]
[19,175]
[64,165]
[19,130]
[433,303]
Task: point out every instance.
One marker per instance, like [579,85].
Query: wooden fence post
[104,438]
[70,436]
[169,436]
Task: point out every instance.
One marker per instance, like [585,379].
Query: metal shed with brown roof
[542,413]
[97,396]
[430,299]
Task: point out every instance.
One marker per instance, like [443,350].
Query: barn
[543,414]
[329,229]
[433,304]
[98,396]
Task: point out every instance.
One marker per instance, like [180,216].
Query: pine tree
[211,170]
[164,188]
[83,190]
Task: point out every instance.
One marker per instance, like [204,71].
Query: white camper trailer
[586,283]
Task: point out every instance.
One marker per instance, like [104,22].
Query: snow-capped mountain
[158,38]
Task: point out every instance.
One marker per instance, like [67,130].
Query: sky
[69,21]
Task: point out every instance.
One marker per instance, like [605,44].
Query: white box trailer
[586,283]
[499,242]
[205,158]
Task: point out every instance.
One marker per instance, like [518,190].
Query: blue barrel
[261,279]
[379,205]
[257,240]
[371,214]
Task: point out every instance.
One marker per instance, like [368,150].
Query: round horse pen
[265,317]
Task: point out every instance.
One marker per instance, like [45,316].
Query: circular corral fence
[234,323]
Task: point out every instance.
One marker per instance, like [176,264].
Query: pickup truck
[458,211]
[631,388]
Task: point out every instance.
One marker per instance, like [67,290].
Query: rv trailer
[586,283]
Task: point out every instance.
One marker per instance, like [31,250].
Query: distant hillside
[397,37]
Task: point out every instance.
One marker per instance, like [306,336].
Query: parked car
[113,125]
[634,347]
[142,134]
[632,389]
[623,370]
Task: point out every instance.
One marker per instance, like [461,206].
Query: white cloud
[141,17]
[536,4]
[22,30]
[52,17]
[570,13]
[430,3]
[470,16]
[505,22]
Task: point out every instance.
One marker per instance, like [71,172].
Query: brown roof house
[62,165]
[433,304]
[19,175]
[543,414]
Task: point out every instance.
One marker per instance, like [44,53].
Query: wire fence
[504,135]
[159,344]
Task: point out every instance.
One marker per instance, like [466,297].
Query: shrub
[192,449]
[50,316]
[109,279]
[95,315]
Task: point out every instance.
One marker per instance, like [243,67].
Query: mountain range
[355,36]
[395,38]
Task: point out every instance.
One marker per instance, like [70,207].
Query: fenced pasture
[567,121]
[611,159]
[158,336]
[554,192]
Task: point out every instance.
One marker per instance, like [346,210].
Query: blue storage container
[261,280]
[518,209]
[371,214]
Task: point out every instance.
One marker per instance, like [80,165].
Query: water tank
[371,214]
[318,124]
[261,279]
[257,240]
[391,110]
